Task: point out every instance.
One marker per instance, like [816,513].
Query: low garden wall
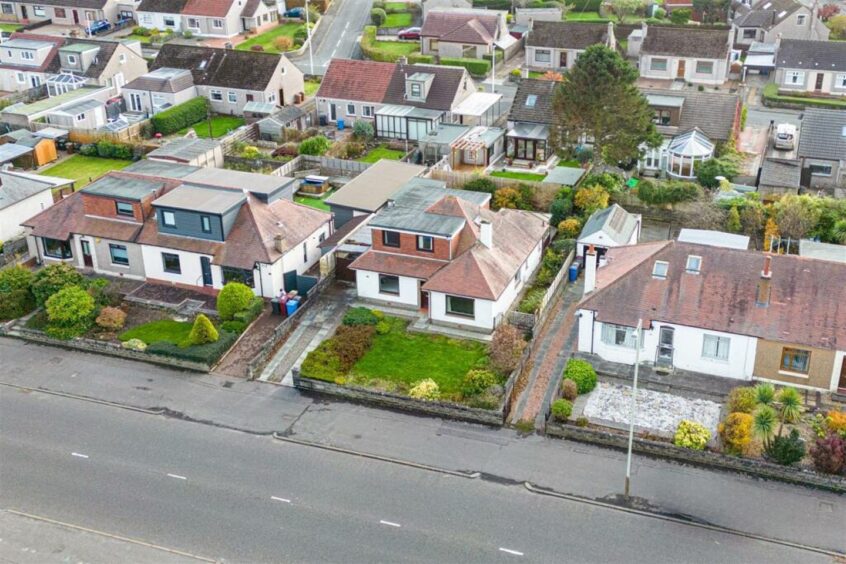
[100,347]
[403,403]
[759,468]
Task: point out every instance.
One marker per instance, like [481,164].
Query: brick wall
[105,207]
[408,246]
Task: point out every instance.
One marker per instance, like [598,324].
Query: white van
[785,136]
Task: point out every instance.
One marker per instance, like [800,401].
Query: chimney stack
[612,39]
[279,243]
[762,296]
[590,270]
[486,233]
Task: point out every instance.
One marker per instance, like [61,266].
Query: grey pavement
[336,36]
[726,499]
[230,496]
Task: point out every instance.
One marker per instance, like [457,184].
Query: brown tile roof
[807,306]
[398,265]
[567,35]
[67,217]
[226,68]
[212,8]
[457,27]
[445,86]
[365,81]
[687,41]
[483,272]
[162,6]
[541,112]
[715,113]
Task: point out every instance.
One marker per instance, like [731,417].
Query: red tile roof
[67,217]
[457,27]
[398,265]
[807,303]
[214,8]
[365,81]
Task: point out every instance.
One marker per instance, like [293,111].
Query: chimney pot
[279,243]
[486,233]
[590,270]
[767,272]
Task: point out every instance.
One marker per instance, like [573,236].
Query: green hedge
[584,5]
[493,4]
[368,47]
[181,116]
[476,67]
[207,354]
[773,98]
[251,312]
[419,58]
[489,57]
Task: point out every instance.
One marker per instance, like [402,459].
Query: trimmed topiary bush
[692,435]
[70,311]
[478,381]
[425,390]
[582,373]
[736,433]
[111,318]
[562,410]
[232,298]
[383,328]
[208,353]
[233,326]
[202,332]
[378,16]
[476,67]
[569,390]
[360,316]
[53,278]
[786,450]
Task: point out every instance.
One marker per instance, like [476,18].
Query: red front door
[424,297]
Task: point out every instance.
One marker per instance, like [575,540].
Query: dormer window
[659,270]
[416,91]
[391,238]
[124,209]
[71,59]
[800,19]
[168,219]
[425,243]
[27,55]
[693,264]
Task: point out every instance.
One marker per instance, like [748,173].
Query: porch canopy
[480,108]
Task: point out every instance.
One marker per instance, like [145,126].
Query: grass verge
[519,175]
[382,152]
[84,169]
[167,330]
[220,126]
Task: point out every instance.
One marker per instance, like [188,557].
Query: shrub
[562,410]
[202,332]
[351,343]
[208,353]
[506,347]
[53,278]
[742,400]
[187,34]
[378,16]
[360,316]
[582,422]
[363,130]
[425,390]
[680,16]
[70,311]
[610,181]
[669,192]
[283,43]
[233,326]
[708,171]
[253,310]
[480,184]
[764,393]
[786,450]
[516,73]
[417,58]
[322,363]
[692,435]
[378,314]
[582,373]
[315,146]
[134,345]
[16,299]
[108,150]
[478,381]
[560,209]
[570,227]
[111,318]
[736,433]
[180,116]
[476,67]
[591,198]
[532,300]
[257,48]
[141,31]
[383,328]
[509,198]
[569,390]
[232,298]
[829,454]
[835,422]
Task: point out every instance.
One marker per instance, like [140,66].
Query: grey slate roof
[185,148]
[162,169]
[823,135]
[712,112]
[104,56]
[95,4]
[442,93]
[566,35]
[767,13]
[118,187]
[614,221]
[162,6]
[817,55]
[542,110]
[201,199]
[227,68]
[14,189]
[782,173]
[163,80]
[686,41]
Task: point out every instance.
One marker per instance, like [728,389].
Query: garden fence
[530,321]
[129,134]
[328,166]
[455,179]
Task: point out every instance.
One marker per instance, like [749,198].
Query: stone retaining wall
[100,347]
[402,403]
[708,459]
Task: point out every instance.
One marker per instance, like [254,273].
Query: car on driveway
[409,33]
[294,13]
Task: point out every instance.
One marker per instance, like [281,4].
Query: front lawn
[396,6]
[220,126]
[405,358]
[519,175]
[771,94]
[311,87]
[175,332]
[382,152]
[402,19]
[266,39]
[316,203]
[397,48]
[10,27]
[84,169]
[573,16]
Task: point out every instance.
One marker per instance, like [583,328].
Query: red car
[410,33]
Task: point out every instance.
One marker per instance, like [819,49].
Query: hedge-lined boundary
[773,99]
[476,67]
[180,116]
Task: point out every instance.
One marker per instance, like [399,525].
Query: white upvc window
[122,58]
[543,55]
[21,77]
[800,19]
[619,335]
[217,24]
[840,80]
[39,11]
[216,95]
[367,111]
[715,347]
[193,23]
[232,97]
[704,67]
[148,19]
[694,264]
[71,59]
[660,268]
[27,55]
[794,78]
[657,64]
[350,109]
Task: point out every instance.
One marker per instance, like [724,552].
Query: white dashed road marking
[390,524]
[79,455]
[282,499]
[509,551]
[177,476]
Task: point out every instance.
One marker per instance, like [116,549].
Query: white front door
[135,102]
[119,81]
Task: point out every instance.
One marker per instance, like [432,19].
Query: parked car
[785,136]
[294,13]
[409,33]
[98,26]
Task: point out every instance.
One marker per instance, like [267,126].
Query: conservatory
[64,82]
[678,157]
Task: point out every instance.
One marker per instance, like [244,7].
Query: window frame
[124,212]
[543,55]
[123,261]
[20,77]
[350,109]
[750,33]
[818,169]
[382,290]
[27,55]
[65,250]
[656,270]
[709,64]
[171,270]
[448,306]
[662,117]
[39,11]
[423,248]
[232,97]
[721,343]
[165,215]
[367,111]
[216,95]
[840,80]
[800,19]
[794,78]
[385,235]
[618,335]
[195,22]
[166,19]
[416,90]
[663,60]
[305,252]
[243,275]
[7,8]
[687,267]
[72,60]
[205,223]
[788,357]
[59,12]
[217,23]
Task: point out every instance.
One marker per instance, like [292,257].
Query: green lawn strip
[771,93]
[400,356]
[10,27]
[519,175]
[221,125]
[267,38]
[573,16]
[395,6]
[572,163]
[145,39]
[311,87]
[397,48]
[382,152]
[84,169]
[316,203]
[175,332]
[398,20]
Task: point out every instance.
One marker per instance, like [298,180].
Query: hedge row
[371,51]
[584,5]
[208,353]
[419,58]
[771,96]
[476,67]
[489,57]
[181,116]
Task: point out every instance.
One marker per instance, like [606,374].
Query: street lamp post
[308,34]
[634,408]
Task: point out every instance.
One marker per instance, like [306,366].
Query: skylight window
[660,269]
[531,100]
[693,264]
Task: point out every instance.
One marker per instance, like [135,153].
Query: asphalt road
[336,36]
[227,495]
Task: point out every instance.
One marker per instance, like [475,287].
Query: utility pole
[634,408]
[308,33]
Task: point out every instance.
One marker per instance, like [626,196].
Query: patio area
[174,298]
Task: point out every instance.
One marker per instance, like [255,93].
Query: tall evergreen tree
[598,101]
